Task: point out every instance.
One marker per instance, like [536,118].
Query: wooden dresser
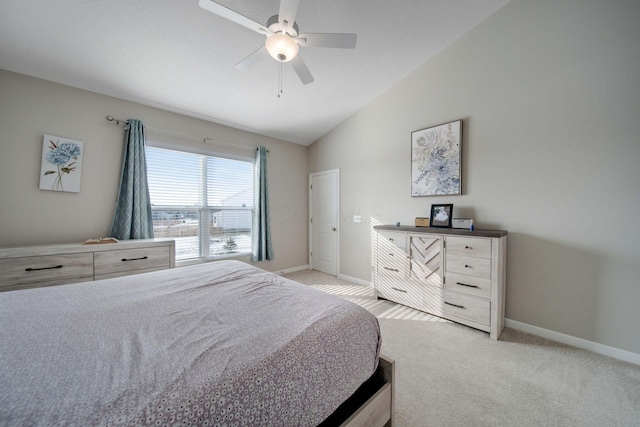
[48,265]
[456,274]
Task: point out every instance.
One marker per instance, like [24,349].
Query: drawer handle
[134,259]
[469,286]
[455,305]
[398,289]
[468,247]
[43,268]
[390,269]
[391,239]
[390,254]
[467,266]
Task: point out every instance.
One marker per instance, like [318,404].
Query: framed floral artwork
[61,164]
[435,160]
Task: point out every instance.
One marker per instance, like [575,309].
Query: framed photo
[61,164]
[441,216]
[435,160]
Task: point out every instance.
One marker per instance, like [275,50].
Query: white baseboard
[616,353]
[292,270]
[354,280]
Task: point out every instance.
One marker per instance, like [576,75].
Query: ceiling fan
[283,37]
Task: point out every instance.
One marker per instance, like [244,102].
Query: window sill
[244,256]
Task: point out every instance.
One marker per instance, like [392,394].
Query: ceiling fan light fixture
[281,47]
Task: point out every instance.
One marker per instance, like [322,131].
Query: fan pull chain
[279,78]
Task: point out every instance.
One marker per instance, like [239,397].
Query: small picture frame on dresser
[441,216]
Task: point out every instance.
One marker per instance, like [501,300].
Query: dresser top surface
[437,230]
[71,248]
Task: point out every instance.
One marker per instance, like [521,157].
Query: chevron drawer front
[456,274]
[425,255]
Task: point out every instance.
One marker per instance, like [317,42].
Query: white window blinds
[175,177]
[203,202]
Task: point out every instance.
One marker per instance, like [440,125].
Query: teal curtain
[261,246]
[132,219]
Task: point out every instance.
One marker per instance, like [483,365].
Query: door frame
[338,224]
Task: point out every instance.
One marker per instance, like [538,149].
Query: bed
[221,343]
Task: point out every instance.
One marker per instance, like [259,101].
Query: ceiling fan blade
[301,70]
[337,40]
[252,59]
[288,9]
[233,16]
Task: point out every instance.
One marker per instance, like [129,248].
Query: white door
[324,201]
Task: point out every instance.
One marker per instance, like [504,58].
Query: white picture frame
[435,160]
[61,167]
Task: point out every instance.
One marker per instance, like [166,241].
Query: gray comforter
[221,343]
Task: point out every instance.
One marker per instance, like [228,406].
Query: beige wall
[549,93]
[31,107]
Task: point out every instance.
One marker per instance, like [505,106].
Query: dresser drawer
[37,271]
[392,260]
[468,266]
[398,269]
[391,257]
[392,239]
[130,261]
[400,291]
[468,285]
[469,246]
[467,308]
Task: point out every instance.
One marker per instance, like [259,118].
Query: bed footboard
[372,405]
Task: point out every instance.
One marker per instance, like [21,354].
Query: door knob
[333,229]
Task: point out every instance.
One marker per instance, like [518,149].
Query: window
[203,202]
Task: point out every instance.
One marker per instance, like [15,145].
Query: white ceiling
[176,56]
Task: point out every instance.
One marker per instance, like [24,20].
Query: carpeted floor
[451,375]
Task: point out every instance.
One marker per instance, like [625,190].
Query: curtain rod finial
[110,118]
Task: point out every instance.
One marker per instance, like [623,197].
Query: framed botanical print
[61,165]
[435,160]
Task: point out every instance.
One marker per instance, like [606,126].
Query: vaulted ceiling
[174,55]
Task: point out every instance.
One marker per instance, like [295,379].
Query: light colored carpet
[451,375]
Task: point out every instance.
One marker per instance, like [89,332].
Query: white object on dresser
[59,264]
[456,274]
[464,223]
